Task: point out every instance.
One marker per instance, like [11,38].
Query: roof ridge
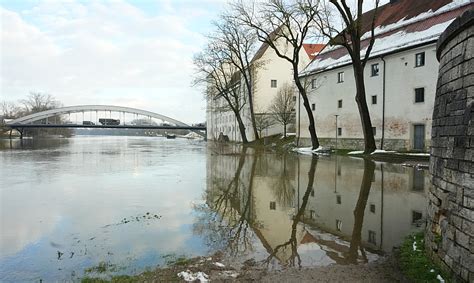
[419,18]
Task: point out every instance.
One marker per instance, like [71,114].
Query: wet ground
[99,206]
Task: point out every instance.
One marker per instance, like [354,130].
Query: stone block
[468,202]
[466,213]
[467,81]
[468,227]
[461,239]
[467,67]
[454,252]
[453,163]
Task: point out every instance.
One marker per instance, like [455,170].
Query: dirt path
[383,270]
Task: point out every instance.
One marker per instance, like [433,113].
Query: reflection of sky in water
[69,197]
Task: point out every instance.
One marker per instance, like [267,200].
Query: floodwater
[125,204]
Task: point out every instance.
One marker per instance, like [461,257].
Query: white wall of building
[401,111]
[274,68]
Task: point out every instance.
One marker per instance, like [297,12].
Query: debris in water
[193,276]
[60,254]
[72,254]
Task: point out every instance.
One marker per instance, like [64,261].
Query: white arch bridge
[52,119]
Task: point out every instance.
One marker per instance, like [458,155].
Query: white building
[400,79]
[268,79]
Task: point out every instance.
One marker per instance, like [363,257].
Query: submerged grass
[415,263]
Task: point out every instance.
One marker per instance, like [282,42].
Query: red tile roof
[312,49]
[394,23]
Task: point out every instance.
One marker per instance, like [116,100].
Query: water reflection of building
[395,207]
[294,222]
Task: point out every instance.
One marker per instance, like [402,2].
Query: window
[372,236]
[419,94]
[374,130]
[339,103]
[372,208]
[272,205]
[374,99]
[273,83]
[338,199]
[338,225]
[312,192]
[420,59]
[313,106]
[374,70]
[339,170]
[340,77]
[416,216]
[311,214]
[418,180]
[339,131]
[314,84]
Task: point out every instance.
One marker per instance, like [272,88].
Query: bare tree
[222,81]
[37,102]
[357,33]
[9,109]
[283,106]
[281,24]
[239,44]
[263,121]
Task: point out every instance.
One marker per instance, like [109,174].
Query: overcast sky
[135,53]
[126,53]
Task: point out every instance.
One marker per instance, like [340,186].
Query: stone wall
[450,223]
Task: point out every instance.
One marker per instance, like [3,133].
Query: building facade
[400,80]
[271,75]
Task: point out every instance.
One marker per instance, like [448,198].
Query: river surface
[89,206]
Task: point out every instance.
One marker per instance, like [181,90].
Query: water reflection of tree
[227,220]
[350,256]
[283,189]
[359,211]
[292,243]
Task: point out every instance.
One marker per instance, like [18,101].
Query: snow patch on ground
[189,276]
[440,279]
[382,151]
[310,151]
[356,152]
[416,154]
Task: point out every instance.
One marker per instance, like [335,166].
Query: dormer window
[273,83]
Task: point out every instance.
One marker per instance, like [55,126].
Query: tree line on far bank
[33,103]
[225,66]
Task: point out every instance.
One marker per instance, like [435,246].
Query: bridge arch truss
[35,117]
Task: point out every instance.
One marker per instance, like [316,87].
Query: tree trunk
[248,83]
[284,130]
[311,128]
[252,115]
[364,114]
[241,127]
